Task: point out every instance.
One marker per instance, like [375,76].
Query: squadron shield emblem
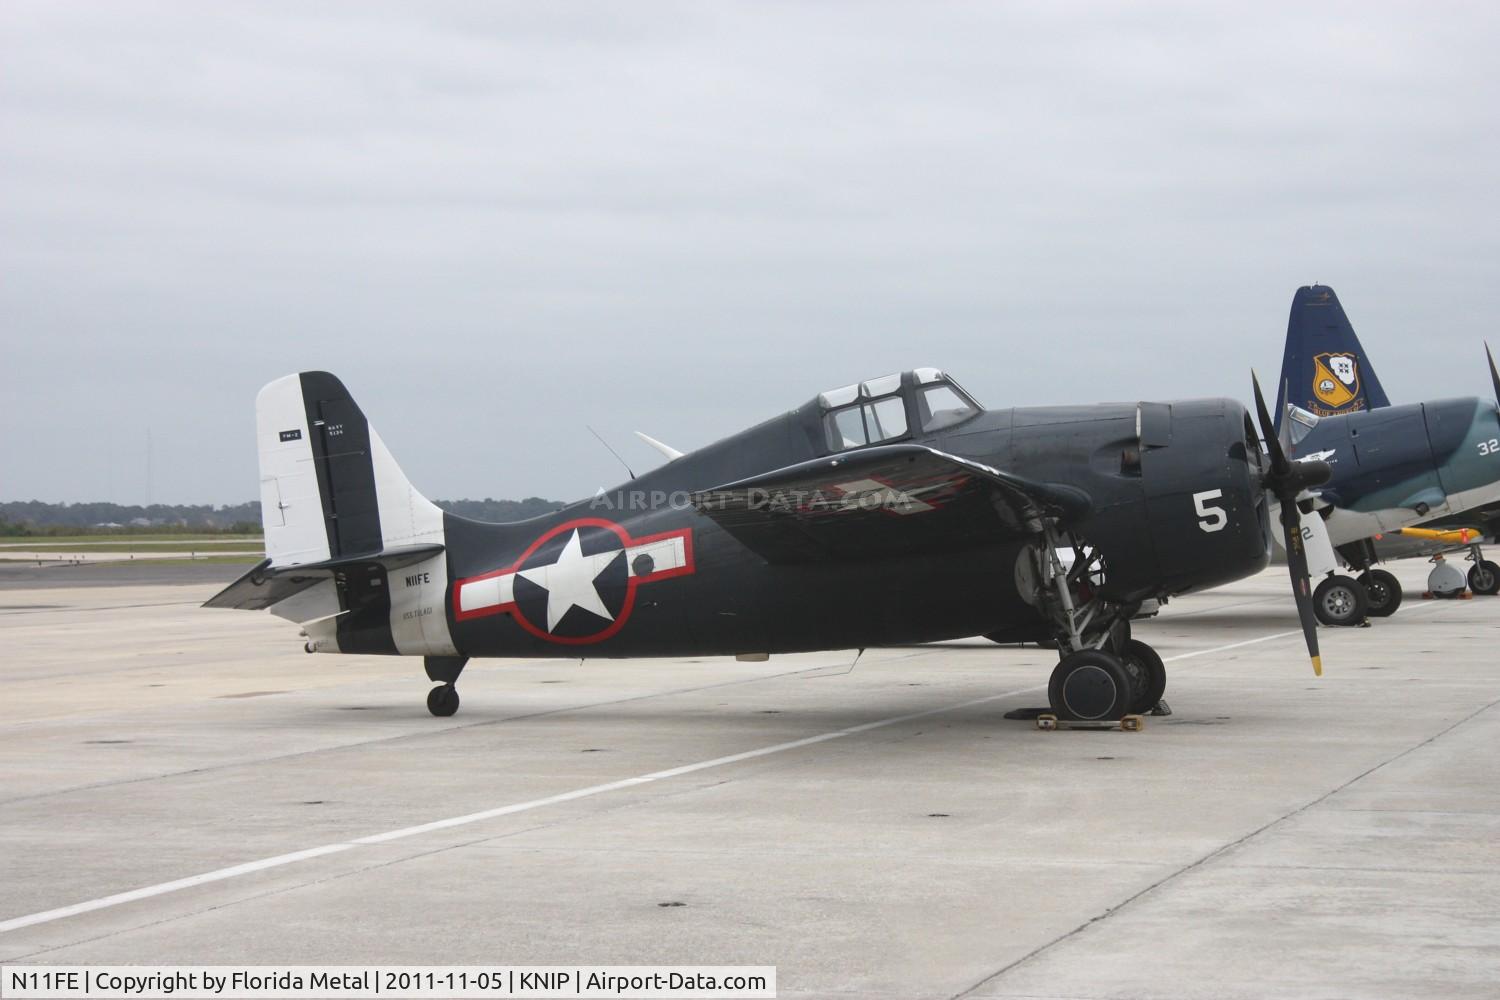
[1335,379]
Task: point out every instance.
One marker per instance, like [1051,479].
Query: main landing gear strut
[1484,576]
[1103,674]
[442,700]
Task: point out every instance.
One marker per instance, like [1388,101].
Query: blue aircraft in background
[1413,480]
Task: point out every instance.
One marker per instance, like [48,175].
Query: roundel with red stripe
[577,582]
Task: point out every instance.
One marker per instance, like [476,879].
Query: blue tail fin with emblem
[1325,369]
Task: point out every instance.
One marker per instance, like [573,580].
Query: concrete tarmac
[875,832]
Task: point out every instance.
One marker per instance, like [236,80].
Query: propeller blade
[1296,558]
[1279,463]
[1286,480]
[1494,372]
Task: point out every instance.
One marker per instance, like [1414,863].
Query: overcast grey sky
[501,222]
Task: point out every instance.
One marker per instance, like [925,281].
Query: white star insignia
[569,582]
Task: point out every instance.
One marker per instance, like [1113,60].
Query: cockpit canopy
[1297,424]
[889,408]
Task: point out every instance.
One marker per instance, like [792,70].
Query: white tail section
[291,508]
[329,487]
[330,491]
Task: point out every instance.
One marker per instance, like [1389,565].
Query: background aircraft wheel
[442,700]
[1383,592]
[1484,578]
[1149,673]
[1340,600]
[1090,686]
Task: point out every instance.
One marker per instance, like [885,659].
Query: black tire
[1340,601]
[442,701]
[1382,591]
[1484,578]
[1149,674]
[1090,686]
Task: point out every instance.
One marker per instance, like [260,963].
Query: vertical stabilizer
[1324,369]
[329,489]
[353,551]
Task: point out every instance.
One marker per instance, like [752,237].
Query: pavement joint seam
[1215,854]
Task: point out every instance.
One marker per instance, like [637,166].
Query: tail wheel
[1148,673]
[1090,686]
[1340,601]
[1484,578]
[1383,592]
[442,701]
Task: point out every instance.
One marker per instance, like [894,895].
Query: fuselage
[1176,505]
[1403,465]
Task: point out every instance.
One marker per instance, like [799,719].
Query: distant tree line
[33,517]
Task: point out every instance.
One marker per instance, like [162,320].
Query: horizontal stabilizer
[265,585]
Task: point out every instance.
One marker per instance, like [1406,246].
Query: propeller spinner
[1285,480]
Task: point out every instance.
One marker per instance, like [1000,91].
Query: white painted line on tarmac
[1232,645]
[1275,635]
[162,888]
[249,867]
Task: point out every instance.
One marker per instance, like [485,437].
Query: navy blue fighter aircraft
[891,511]
[1435,464]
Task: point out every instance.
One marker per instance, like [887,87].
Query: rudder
[353,552]
[1324,369]
[329,488]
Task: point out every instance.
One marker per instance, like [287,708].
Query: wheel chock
[1047,723]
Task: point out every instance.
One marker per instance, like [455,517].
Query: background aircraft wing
[881,501]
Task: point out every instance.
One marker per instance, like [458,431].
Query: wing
[881,501]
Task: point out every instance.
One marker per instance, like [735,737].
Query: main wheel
[1484,578]
[1383,592]
[1090,686]
[442,700]
[1149,674]
[1340,600]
